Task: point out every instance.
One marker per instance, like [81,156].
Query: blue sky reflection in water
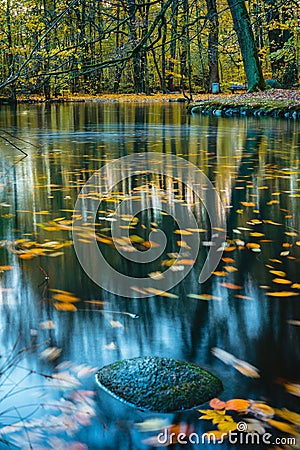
[242,309]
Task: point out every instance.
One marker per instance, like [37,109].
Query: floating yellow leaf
[246,369]
[5,268]
[279,273]
[293,388]
[230,286]
[281,281]
[262,410]
[183,232]
[229,249]
[284,427]
[296,286]
[245,297]
[203,297]
[136,239]
[248,204]
[228,260]
[65,307]
[291,416]
[66,298]
[282,294]
[26,256]
[227,426]
[254,234]
[161,293]
[185,262]
[230,269]
[252,245]
[220,273]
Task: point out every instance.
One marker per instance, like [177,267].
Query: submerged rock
[159,384]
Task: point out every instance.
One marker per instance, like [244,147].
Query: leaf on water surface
[284,427]
[228,260]
[136,239]
[152,424]
[250,204]
[254,426]
[262,410]
[54,255]
[220,273]
[279,273]
[209,414]
[65,306]
[293,388]
[224,356]
[230,286]
[281,281]
[161,293]
[50,353]
[295,286]
[282,294]
[290,416]
[156,275]
[96,302]
[64,380]
[216,403]
[183,232]
[294,322]
[231,269]
[231,248]
[245,297]
[203,297]
[242,366]
[252,245]
[246,369]
[183,244]
[237,404]
[66,298]
[185,262]
[6,268]
[227,426]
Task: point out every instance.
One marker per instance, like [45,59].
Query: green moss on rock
[159,384]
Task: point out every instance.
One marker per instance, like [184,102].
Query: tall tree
[213,42]
[243,28]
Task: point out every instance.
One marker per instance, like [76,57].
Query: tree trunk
[243,29]
[213,42]
[174,24]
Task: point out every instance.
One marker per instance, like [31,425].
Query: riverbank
[273,103]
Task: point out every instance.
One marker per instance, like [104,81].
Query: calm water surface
[255,166]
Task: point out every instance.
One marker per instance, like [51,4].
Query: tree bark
[213,42]
[243,29]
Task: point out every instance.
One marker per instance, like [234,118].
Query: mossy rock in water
[159,384]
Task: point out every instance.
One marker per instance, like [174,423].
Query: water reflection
[255,167]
